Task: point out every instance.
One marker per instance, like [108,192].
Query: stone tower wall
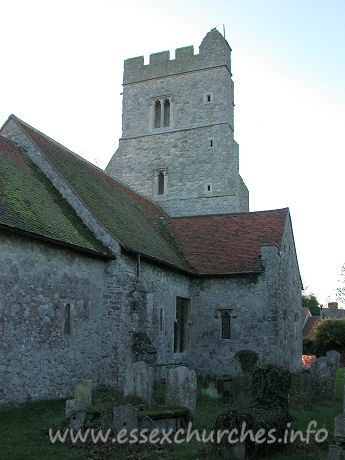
[197,151]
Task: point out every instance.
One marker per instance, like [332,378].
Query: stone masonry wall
[251,322]
[162,285]
[37,359]
[284,285]
[265,310]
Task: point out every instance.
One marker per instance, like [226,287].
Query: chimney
[333,305]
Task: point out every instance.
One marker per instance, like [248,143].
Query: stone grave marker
[125,416]
[75,414]
[181,389]
[139,381]
[83,391]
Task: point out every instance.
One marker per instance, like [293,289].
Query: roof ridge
[80,158]
[226,214]
[54,141]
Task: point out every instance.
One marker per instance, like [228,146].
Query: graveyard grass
[24,430]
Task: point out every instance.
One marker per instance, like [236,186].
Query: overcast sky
[61,71]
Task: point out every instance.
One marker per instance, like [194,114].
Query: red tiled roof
[227,243]
[309,328]
[304,314]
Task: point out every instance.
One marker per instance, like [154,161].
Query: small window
[211,143]
[208,188]
[161,320]
[226,323]
[160,182]
[208,98]
[67,328]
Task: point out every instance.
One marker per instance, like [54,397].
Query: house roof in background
[309,328]
[305,311]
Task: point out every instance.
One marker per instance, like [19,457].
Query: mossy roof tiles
[132,219]
[31,204]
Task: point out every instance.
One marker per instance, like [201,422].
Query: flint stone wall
[37,359]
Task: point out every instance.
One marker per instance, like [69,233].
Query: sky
[61,71]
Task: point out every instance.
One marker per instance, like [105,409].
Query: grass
[23,430]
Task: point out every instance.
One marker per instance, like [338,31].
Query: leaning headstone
[125,416]
[181,389]
[139,381]
[75,414]
[83,391]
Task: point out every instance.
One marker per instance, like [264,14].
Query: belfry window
[162,112]
[157,114]
[166,121]
[181,325]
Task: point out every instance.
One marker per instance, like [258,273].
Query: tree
[310,301]
[330,335]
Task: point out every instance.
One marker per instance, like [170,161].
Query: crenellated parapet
[214,51]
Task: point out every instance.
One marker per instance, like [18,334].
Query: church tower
[177,146]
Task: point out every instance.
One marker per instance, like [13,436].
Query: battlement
[214,51]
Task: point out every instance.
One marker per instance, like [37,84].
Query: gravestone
[83,391]
[181,389]
[333,363]
[139,381]
[323,376]
[75,414]
[125,416]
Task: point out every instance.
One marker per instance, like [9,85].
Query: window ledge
[161,130]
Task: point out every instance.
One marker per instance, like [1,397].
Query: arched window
[162,112]
[67,327]
[160,183]
[166,113]
[226,325]
[157,113]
